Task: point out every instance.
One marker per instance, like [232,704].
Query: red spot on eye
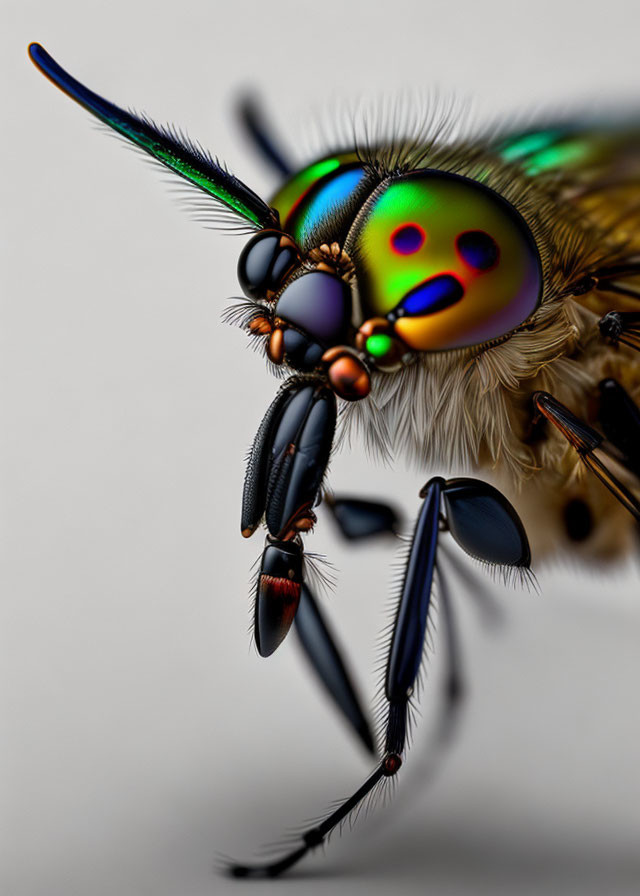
[407,239]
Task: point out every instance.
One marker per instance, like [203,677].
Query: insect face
[305,284]
[308,311]
[387,266]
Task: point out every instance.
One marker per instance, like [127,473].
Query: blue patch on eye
[330,196]
[478,249]
[407,239]
[433,295]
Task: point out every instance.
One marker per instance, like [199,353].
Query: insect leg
[590,445]
[405,657]
[358,518]
[253,121]
[616,326]
[611,278]
[487,527]
[254,497]
[619,417]
[285,470]
[288,459]
[621,326]
[322,651]
[483,523]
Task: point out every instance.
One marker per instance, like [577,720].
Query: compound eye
[447,261]
[265,263]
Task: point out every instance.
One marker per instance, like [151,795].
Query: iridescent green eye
[320,202]
[446,260]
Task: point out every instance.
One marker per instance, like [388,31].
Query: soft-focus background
[140,733]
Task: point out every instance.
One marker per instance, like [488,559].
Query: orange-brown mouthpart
[347,374]
[275,347]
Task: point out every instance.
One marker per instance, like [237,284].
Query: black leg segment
[408,637]
[285,470]
[589,444]
[484,523]
[410,627]
[619,417]
[359,518]
[322,651]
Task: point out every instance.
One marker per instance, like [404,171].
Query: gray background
[140,732]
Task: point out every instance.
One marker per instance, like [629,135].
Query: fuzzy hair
[469,408]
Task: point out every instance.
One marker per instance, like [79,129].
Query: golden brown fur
[471,409]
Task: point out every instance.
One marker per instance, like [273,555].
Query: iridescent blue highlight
[433,295]
[328,198]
